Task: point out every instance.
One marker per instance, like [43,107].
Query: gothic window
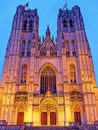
[71,23]
[24,74]
[72,74]
[48,80]
[29,48]
[65,23]
[73,48]
[67,48]
[30,26]
[23,48]
[25,25]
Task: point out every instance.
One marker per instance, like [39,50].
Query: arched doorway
[20,118]
[48,118]
[77,117]
[48,112]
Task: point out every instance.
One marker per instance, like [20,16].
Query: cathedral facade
[48,82]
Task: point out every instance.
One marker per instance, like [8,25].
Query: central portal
[48,111]
[48,118]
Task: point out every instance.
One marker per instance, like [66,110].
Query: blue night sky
[48,12]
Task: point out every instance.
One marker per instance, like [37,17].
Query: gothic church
[48,82]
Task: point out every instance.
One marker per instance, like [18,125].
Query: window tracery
[29,48]
[25,25]
[72,74]
[23,48]
[24,74]
[48,80]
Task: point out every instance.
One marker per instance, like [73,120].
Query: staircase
[51,128]
[37,128]
[87,127]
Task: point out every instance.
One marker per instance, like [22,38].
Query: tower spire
[48,31]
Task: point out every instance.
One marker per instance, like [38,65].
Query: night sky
[48,12]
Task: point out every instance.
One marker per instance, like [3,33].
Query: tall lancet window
[65,25]
[24,25]
[24,74]
[67,48]
[71,24]
[30,26]
[23,48]
[72,74]
[73,48]
[48,80]
[29,48]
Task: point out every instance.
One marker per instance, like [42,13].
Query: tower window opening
[65,23]
[30,26]
[25,25]
[73,48]
[29,48]
[23,48]
[24,74]
[72,74]
[71,23]
[67,49]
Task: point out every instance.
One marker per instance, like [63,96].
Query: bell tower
[77,59]
[23,43]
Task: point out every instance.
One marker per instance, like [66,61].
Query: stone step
[50,128]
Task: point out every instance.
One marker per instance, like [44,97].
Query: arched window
[48,80]
[25,25]
[29,48]
[73,48]
[67,48]
[23,48]
[72,74]
[24,74]
[71,23]
[65,23]
[30,26]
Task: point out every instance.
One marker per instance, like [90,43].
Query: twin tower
[50,82]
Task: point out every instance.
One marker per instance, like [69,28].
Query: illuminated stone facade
[49,82]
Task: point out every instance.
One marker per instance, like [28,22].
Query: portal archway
[48,112]
[21,108]
[77,117]
[77,112]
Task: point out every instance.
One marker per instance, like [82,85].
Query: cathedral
[48,82]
